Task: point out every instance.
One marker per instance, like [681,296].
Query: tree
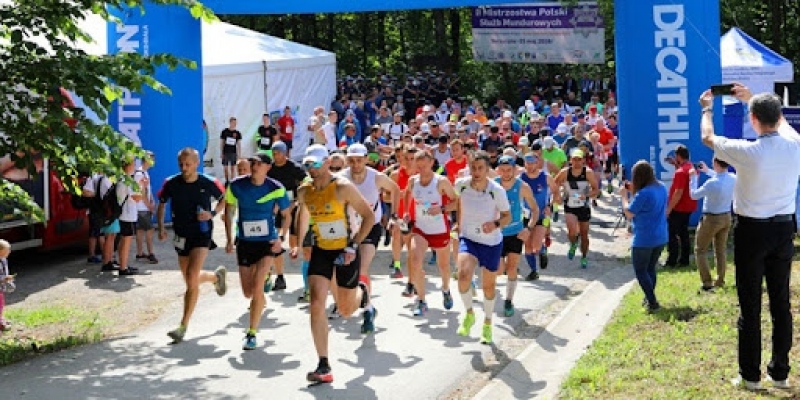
[39,54]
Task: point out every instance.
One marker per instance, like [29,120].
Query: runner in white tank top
[431,197]
[369,183]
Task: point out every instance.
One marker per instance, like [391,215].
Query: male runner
[190,195]
[369,183]
[580,185]
[257,240]
[430,198]
[401,237]
[518,230]
[483,210]
[542,185]
[334,255]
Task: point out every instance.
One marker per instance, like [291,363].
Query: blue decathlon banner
[667,53]
[547,33]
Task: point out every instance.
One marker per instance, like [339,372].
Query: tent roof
[226,44]
[738,50]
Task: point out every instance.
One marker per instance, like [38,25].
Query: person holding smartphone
[644,202]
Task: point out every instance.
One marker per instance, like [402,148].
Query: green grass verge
[47,329]
[685,351]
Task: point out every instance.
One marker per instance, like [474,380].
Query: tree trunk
[455,40]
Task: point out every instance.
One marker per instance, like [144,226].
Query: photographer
[647,209]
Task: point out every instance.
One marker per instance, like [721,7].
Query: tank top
[402,182]
[514,194]
[442,157]
[540,189]
[369,189]
[330,218]
[423,198]
[479,207]
[577,186]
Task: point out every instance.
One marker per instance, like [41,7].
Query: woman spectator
[647,208]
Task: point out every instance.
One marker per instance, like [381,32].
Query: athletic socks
[531,258]
[363,283]
[251,332]
[466,298]
[488,308]
[304,270]
[511,287]
[396,264]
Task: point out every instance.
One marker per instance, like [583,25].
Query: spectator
[554,119]
[563,129]
[646,209]
[349,119]
[763,236]
[680,208]
[716,220]
[145,208]
[329,128]
[286,127]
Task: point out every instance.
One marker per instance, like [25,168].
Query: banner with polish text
[539,33]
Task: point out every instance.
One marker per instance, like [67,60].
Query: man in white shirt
[330,127]
[127,198]
[397,128]
[764,203]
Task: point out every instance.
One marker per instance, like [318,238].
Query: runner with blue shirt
[519,229]
[542,185]
[257,238]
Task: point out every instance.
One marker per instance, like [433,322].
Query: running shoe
[508,308]
[152,259]
[320,375]
[409,291]
[305,297]
[110,267]
[334,313]
[94,260]
[141,257]
[543,259]
[280,283]
[447,300]
[368,326]
[221,285]
[421,309]
[250,342]
[584,263]
[486,335]
[268,284]
[466,325]
[572,248]
[177,334]
[396,274]
[128,271]
[532,276]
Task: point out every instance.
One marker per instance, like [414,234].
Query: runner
[257,239]
[400,231]
[369,183]
[430,198]
[190,195]
[483,210]
[542,185]
[334,256]
[580,185]
[518,230]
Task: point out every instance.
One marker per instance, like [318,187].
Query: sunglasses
[335,169]
[314,165]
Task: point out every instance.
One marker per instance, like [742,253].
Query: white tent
[747,61]
[247,74]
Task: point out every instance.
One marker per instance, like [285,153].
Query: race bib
[475,230]
[179,242]
[255,228]
[230,141]
[289,129]
[265,141]
[332,230]
[575,202]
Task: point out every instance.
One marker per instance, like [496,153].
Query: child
[6,281]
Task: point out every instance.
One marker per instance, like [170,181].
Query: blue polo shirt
[256,206]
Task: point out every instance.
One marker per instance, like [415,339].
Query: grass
[46,329]
[685,351]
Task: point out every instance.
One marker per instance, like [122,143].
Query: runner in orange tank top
[400,231]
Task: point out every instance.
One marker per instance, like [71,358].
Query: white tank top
[369,189]
[424,198]
[442,158]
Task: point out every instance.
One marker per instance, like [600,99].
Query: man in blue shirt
[716,221]
[257,238]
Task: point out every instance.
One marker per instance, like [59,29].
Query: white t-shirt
[129,210]
[91,185]
[767,172]
[564,129]
[396,131]
[139,176]
[478,208]
[330,135]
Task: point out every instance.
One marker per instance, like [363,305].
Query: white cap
[357,149]
[426,108]
[425,127]
[523,141]
[548,142]
[507,114]
[315,153]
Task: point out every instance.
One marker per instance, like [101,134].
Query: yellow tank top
[328,213]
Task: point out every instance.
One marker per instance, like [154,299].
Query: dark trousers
[763,250]
[644,265]
[679,248]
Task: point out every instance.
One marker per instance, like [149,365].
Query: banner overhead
[539,33]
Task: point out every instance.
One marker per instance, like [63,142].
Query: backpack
[110,208]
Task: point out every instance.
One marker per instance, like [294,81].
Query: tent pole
[266,103]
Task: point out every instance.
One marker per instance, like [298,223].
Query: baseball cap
[425,127]
[358,150]
[280,146]
[523,141]
[531,157]
[548,142]
[577,153]
[506,160]
[316,153]
[261,157]
[507,114]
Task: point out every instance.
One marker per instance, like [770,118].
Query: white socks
[511,287]
[466,298]
[488,308]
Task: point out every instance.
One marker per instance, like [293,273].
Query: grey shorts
[145,221]
[229,159]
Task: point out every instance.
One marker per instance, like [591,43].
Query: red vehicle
[63,225]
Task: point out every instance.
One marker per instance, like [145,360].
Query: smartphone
[722,89]
[698,166]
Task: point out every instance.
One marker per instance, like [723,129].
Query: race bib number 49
[255,228]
